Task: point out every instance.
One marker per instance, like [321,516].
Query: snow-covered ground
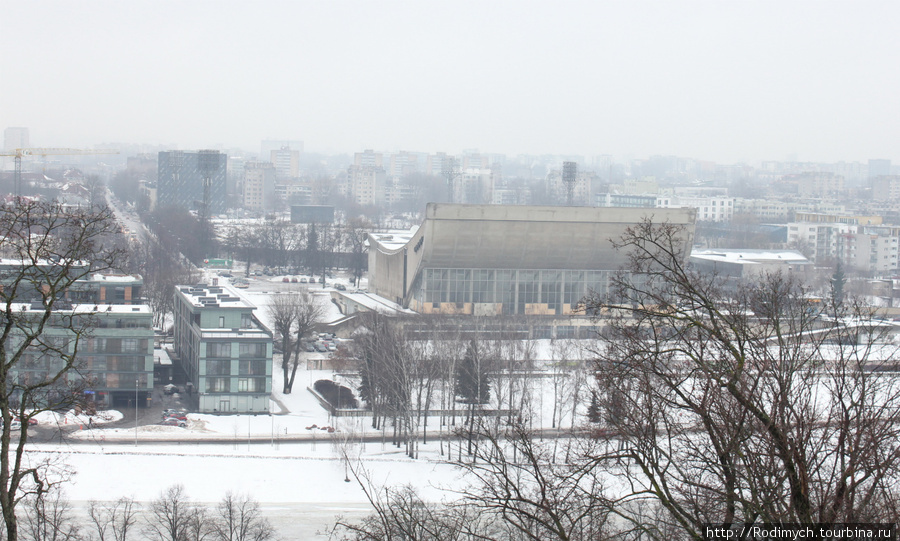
[301,487]
[300,484]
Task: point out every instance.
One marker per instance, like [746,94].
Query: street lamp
[136,384]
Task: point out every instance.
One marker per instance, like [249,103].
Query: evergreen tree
[593,411]
[837,285]
[472,383]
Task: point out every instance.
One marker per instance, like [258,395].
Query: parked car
[286,280]
[294,280]
[170,412]
[303,280]
[171,421]
[226,274]
[309,347]
[31,422]
[341,287]
[321,348]
[171,389]
[179,416]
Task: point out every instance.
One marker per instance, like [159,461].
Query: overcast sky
[721,80]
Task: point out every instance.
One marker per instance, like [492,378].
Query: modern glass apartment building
[224,349]
[192,180]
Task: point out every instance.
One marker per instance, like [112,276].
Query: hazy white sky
[720,80]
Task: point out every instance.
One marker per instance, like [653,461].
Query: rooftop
[224,296]
[752,257]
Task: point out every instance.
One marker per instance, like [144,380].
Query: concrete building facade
[487,260]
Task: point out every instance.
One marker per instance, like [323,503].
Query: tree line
[172,516]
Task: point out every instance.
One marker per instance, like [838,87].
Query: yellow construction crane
[17,153]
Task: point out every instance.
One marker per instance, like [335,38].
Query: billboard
[312,214]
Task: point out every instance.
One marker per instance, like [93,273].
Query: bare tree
[40,332]
[173,516]
[294,315]
[238,518]
[244,242]
[357,230]
[740,404]
[49,517]
[162,268]
[400,513]
[533,490]
[113,520]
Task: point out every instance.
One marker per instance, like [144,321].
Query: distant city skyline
[727,82]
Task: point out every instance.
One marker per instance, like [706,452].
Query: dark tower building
[192,180]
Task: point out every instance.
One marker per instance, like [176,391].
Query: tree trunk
[293,371]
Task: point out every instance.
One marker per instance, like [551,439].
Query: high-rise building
[268,145]
[286,162]
[368,158]
[879,168]
[192,180]
[366,184]
[14,138]
[259,186]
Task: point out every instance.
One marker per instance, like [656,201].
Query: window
[221,322]
[252,349]
[217,385]
[565,331]
[252,368]
[218,349]
[218,368]
[251,385]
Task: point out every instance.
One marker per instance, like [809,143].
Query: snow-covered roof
[222,295]
[393,240]
[87,308]
[751,257]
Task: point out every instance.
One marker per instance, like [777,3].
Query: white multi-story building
[366,184]
[474,187]
[870,249]
[862,248]
[368,158]
[287,163]
[259,186]
[709,208]
[14,138]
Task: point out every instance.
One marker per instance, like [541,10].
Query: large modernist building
[192,180]
[224,349]
[487,260]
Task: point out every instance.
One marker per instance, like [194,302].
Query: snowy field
[301,487]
